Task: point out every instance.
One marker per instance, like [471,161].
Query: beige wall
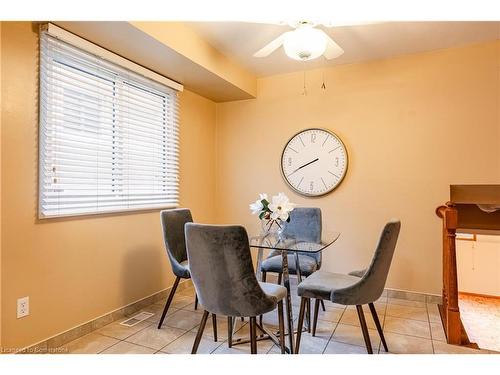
[0,185]
[76,269]
[478,265]
[413,125]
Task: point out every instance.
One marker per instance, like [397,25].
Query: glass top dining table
[291,243]
[287,245]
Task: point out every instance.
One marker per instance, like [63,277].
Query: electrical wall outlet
[23,307]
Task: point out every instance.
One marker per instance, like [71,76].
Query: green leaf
[261,216]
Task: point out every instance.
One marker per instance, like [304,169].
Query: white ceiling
[360,43]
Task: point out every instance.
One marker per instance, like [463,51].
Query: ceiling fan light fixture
[305,43]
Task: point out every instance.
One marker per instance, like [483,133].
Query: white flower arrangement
[277,210]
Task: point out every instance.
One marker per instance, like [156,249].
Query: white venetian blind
[108,136]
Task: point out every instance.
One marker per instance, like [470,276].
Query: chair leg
[281,320]
[264,278]
[280,276]
[315,319]
[196,302]
[201,328]
[300,323]
[253,335]
[169,301]
[364,328]
[229,331]
[377,323]
[309,315]
[322,304]
[214,324]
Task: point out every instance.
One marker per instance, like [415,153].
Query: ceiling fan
[304,43]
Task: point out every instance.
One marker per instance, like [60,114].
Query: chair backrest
[172,224]
[222,271]
[371,285]
[305,225]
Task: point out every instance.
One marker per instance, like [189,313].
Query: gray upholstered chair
[357,273]
[353,290]
[305,225]
[172,224]
[222,273]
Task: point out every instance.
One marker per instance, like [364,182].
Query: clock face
[314,162]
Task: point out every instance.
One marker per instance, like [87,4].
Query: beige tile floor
[409,327]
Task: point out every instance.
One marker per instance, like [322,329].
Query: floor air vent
[136,319]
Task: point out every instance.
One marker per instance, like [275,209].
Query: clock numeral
[313,137]
[311,185]
[289,162]
[336,161]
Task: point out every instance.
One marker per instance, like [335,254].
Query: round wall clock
[314,162]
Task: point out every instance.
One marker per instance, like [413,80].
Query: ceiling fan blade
[271,47]
[348,23]
[333,50]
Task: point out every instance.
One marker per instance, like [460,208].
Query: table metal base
[265,335]
[288,299]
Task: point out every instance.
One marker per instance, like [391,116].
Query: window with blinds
[108,136]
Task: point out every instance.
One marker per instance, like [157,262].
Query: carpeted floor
[481,319]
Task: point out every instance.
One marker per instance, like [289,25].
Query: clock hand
[305,165]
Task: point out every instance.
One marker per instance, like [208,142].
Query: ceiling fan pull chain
[304,92]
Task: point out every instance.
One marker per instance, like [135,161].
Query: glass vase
[272,227]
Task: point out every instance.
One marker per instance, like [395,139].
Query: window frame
[118,83]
